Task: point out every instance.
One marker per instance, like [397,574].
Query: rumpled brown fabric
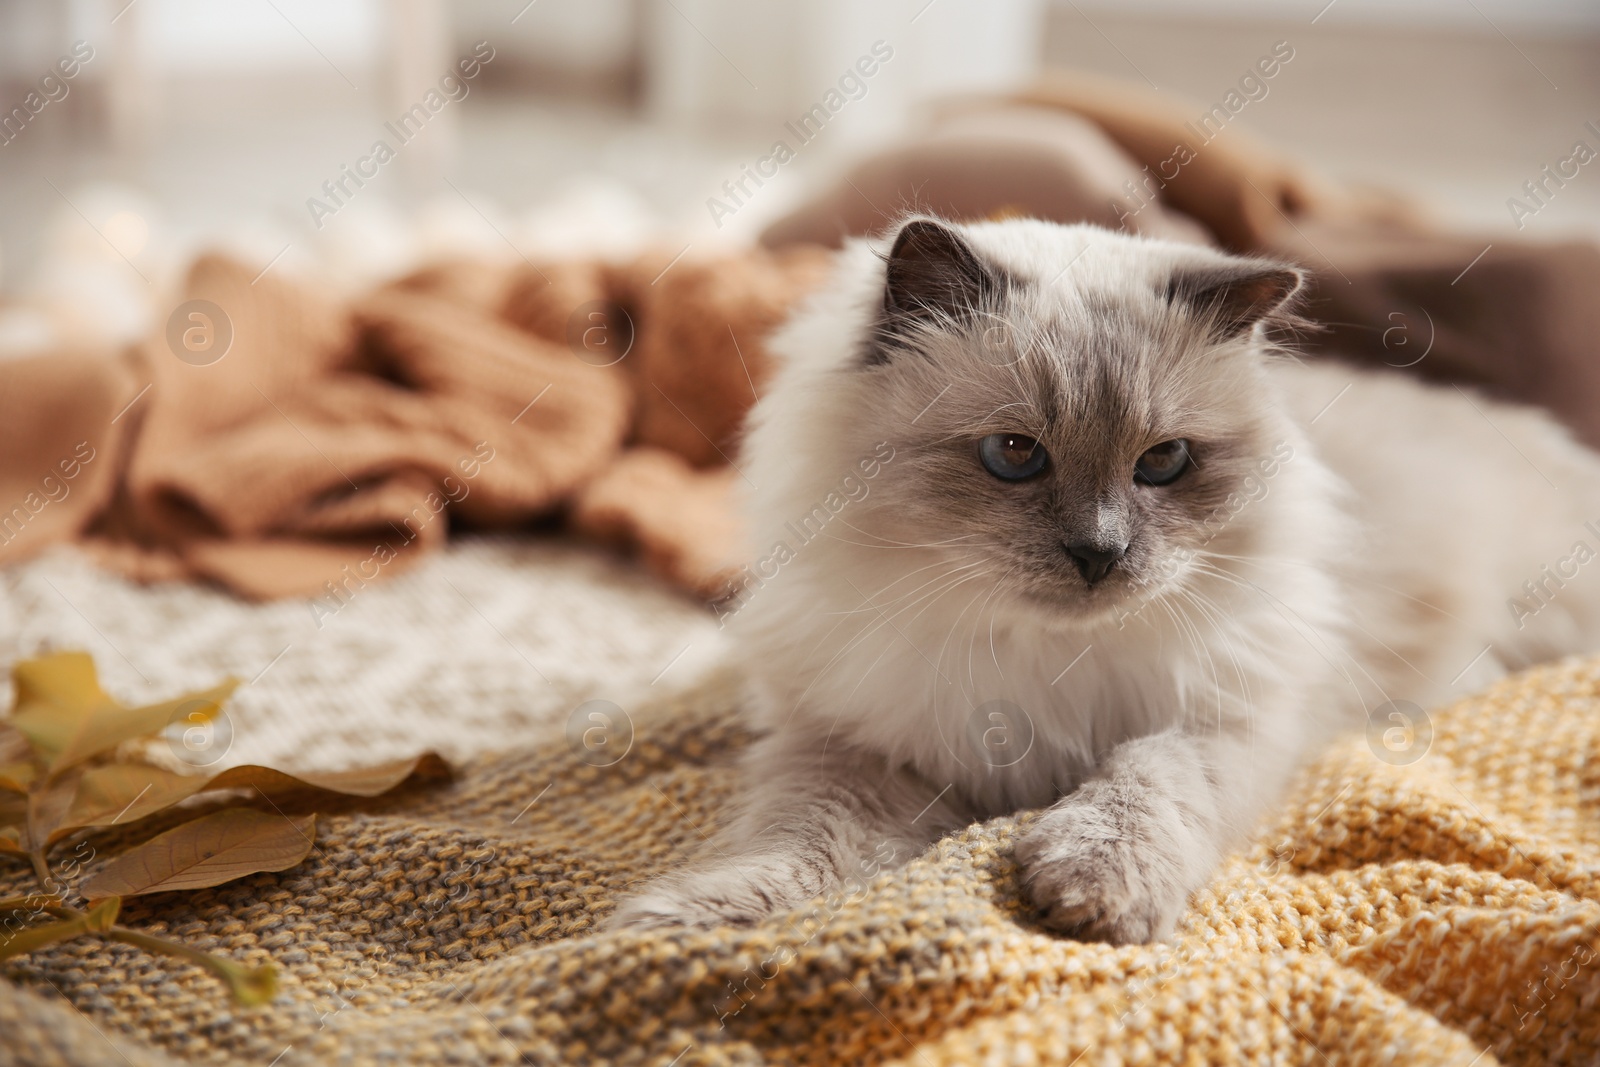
[334,440]
[58,457]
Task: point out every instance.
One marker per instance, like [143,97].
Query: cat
[1113,552]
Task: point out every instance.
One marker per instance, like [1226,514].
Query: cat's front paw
[729,896]
[656,909]
[1104,865]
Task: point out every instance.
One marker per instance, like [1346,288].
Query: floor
[1459,120]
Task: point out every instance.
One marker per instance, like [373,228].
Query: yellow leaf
[67,717]
[109,724]
[109,727]
[207,851]
[11,841]
[54,694]
[64,678]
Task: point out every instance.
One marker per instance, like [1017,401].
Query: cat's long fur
[1346,538]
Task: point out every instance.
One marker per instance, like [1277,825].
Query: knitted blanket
[1438,911]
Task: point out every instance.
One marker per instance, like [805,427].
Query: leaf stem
[249,985]
[41,868]
[151,943]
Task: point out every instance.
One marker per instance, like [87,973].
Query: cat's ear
[932,276]
[1236,296]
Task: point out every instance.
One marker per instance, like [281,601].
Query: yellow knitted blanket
[1445,911]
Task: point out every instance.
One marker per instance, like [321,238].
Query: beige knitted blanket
[1444,911]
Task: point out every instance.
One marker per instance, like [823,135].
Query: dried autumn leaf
[51,784]
[67,717]
[97,920]
[359,782]
[207,851]
[16,776]
[48,804]
[122,793]
[13,809]
[13,746]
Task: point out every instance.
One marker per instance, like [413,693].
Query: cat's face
[1079,438]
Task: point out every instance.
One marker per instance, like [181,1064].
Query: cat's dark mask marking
[1238,295]
[933,277]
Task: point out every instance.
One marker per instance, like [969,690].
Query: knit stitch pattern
[1442,912]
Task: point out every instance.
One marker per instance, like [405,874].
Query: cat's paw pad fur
[706,899]
[1104,866]
[664,909]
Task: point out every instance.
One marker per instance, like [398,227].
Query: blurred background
[609,122]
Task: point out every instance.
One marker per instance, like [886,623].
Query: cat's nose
[1094,561]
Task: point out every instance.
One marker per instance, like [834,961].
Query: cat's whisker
[875,600]
[1198,642]
[1220,619]
[972,640]
[1220,630]
[887,618]
[1280,607]
[818,674]
[956,622]
[889,542]
[994,655]
[877,603]
[834,725]
[1347,577]
[1216,613]
[943,592]
[1200,600]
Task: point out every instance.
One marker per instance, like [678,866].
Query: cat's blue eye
[1012,456]
[1163,463]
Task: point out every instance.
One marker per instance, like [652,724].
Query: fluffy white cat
[1046,521]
